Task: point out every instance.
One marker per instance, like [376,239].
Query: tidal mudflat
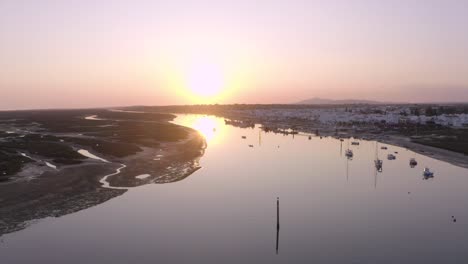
[333,208]
[53,162]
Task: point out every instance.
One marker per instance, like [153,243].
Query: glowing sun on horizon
[205,81]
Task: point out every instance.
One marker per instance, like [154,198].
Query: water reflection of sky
[210,127]
[333,210]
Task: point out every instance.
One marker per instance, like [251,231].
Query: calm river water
[332,209]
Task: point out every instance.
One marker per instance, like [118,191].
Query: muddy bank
[169,162]
[454,158]
[53,194]
[53,161]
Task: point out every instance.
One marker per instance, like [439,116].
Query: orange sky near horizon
[64,54]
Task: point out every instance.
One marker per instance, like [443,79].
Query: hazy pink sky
[106,53]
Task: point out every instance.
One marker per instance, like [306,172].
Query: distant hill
[322,101]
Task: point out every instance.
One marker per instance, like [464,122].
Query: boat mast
[377,150]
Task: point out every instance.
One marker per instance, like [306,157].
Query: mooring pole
[277,213]
[277,224]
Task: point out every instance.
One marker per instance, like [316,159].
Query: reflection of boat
[287,131]
[378,162]
[413,162]
[427,173]
[275,130]
[391,157]
[239,123]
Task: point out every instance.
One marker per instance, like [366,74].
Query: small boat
[349,153]
[391,157]
[244,137]
[355,143]
[341,139]
[239,123]
[384,147]
[378,164]
[251,146]
[413,162]
[396,152]
[427,173]
[310,137]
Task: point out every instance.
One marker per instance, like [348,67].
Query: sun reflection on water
[210,127]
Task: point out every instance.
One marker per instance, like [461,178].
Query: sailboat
[427,173]
[349,153]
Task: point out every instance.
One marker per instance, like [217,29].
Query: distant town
[357,115]
[441,126]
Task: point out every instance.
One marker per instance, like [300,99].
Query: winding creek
[333,209]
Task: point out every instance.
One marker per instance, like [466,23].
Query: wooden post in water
[277,213]
[277,224]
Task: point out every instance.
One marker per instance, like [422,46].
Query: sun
[205,81]
[201,79]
